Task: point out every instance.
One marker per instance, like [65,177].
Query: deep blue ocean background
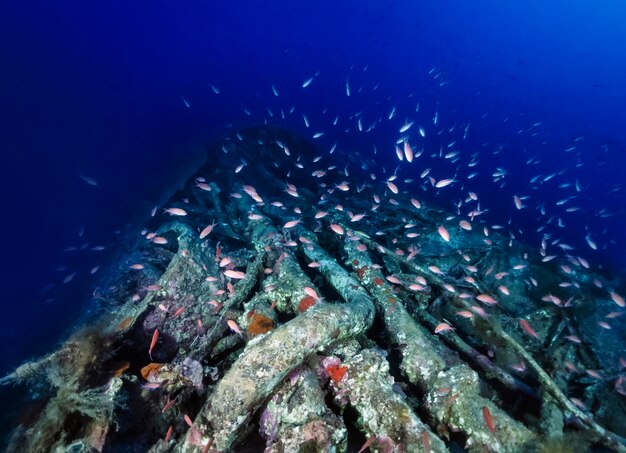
[125,93]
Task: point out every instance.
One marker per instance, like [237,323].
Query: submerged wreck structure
[281,302]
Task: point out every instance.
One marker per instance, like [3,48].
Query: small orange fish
[444,233]
[529,330]
[218,251]
[234,274]
[207,230]
[443,327]
[215,304]
[203,186]
[399,154]
[168,404]
[188,420]
[336,228]
[234,327]
[619,300]
[443,183]
[408,152]
[176,211]
[504,290]
[168,435]
[155,337]
[178,312]
[486,299]
[392,187]
[311,292]
[489,419]
[449,288]
[573,338]
[435,270]
[253,193]
[292,223]
[357,217]
[292,190]
[465,314]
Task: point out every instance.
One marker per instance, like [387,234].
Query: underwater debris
[276,302]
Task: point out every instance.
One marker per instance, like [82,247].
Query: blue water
[122,92]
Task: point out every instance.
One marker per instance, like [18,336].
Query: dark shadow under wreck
[264,314]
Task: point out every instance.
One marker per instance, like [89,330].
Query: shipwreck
[281,301]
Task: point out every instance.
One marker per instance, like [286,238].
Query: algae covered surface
[303,303]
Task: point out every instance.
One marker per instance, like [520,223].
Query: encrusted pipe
[268,358]
[452,392]
[383,413]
